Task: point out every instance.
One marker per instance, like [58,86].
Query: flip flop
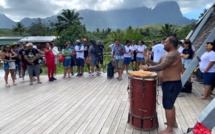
[119,79]
[15,84]
[31,84]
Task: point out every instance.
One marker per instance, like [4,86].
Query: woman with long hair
[9,64]
[50,62]
[66,52]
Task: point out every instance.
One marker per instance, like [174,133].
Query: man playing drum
[170,67]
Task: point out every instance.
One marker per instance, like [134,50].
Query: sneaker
[50,80]
[53,78]
[72,73]
[78,74]
[91,75]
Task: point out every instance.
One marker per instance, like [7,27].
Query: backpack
[98,51]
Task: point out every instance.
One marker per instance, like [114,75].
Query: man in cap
[79,51]
[31,56]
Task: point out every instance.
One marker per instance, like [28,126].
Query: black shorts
[171,89]
[100,61]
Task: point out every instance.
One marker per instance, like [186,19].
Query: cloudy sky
[19,9]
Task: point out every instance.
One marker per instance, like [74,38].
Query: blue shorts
[140,59]
[80,62]
[67,63]
[171,89]
[127,61]
[208,78]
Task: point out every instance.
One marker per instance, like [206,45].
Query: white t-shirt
[206,58]
[140,49]
[134,47]
[111,46]
[55,51]
[158,51]
[127,49]
[79,54]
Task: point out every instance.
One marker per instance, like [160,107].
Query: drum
[142,113]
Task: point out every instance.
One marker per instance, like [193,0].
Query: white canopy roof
[38,39]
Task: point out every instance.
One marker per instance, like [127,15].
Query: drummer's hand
[144,67]
[145,56]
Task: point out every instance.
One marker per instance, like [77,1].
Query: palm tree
[167,30]
[19,27]
[66,19]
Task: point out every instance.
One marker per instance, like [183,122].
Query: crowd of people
[165,57]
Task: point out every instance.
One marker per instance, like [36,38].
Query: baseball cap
[78,41]
[29,44]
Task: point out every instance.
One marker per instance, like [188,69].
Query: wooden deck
[83,105]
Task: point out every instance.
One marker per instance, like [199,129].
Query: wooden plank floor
[83,105]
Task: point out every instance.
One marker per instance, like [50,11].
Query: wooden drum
[142,114]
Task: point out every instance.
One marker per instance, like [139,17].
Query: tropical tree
[40,28]
[168,30]
[19,27]
[202,14]
[66,19]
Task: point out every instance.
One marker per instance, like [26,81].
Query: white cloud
[18,9]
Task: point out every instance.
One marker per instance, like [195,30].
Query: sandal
[119,79]
[31,84]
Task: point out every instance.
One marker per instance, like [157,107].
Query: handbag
[61,58]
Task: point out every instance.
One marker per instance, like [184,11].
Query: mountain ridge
[164,12]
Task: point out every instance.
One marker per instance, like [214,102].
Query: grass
[60,69]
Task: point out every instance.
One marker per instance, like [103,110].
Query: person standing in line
[31,56]
[55,52]
[157,52]
[140,49]
[79,51]
[8,65]
[207,67]
[127,55]
[187,54]
[15,50]
[23,61]
[111,47]
[72,48]
[170,67]
[93,57]
[101,59]
[50,62]
[118,53]
[66,52]
[133,56]
[86,50]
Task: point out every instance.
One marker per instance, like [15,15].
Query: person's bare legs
[38,79]
[88,67]
[137,65]
[31,79]
[206,92]
[65,70]
[170,119]
[120,71]
[126,67]
[13,76]
[69,72]
[6,77]
[82,70]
